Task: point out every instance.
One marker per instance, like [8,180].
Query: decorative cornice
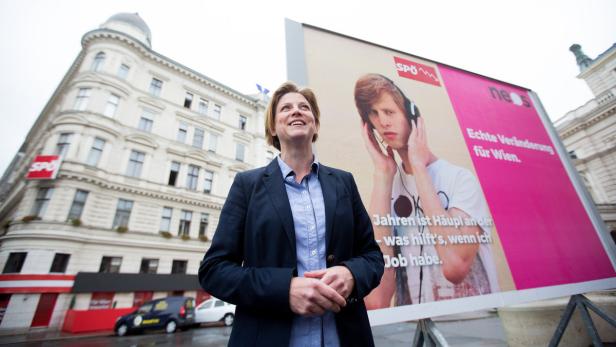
[97,79]
[587,121]
[201,120]
[167,62]
[179,197]
[40,230]
[151,102]
[243,136]
[142,139]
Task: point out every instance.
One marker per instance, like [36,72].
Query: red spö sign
[44,167]
[416,71]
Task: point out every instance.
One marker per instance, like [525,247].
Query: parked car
[215,310]
[168,313]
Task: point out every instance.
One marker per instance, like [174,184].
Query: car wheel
[228,319]
[170,327]
[122,330]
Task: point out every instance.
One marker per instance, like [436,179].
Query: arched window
[98,61]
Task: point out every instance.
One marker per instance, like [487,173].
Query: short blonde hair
[270,113]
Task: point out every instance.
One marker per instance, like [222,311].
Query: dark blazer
[252,257]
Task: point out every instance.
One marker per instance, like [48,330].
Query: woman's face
[295,122]
[390,121]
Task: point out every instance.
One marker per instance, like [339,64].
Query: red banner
[416,71]
[44,167]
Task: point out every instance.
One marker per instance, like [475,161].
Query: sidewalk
[485,331]
[474,329]
[24,336]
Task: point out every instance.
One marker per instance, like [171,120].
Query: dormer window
[98,61]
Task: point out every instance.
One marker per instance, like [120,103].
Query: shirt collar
[286,169]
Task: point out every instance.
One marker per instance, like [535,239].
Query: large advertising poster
[471,203]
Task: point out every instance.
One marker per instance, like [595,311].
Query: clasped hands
[320,291]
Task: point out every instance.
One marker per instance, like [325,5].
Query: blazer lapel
[276,190]
[330,198]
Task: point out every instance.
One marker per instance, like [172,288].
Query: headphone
[412,112]
[410,109]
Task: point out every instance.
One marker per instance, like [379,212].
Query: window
[178,267]
[112,105]
[81,101]
[64,141]
[198,138]
[79,202]
[148,266]
[98,61]
[242,122]
[173,173]
[42,200]
[182,131]
[15,262]
[209,178]
[202,108]
[213,143]
[110,264]
[123,71]
[240,148]
[185,218]
[96,151]
[188,100]
[122,214]
[146,121]
[165,221]
[217,111]
[156,86]
[192,177]
[205,220]
[135,163]
[60,262]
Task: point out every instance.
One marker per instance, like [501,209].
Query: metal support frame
[426,332]
[580,302]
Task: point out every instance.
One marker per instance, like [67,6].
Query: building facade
[148,150]
[589,132]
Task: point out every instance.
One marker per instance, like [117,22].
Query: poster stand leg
[427,332]
[582,304]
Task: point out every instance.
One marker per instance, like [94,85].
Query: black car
[168,313]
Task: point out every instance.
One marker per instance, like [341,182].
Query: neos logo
[510,97]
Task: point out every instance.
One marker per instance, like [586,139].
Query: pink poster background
[546,234]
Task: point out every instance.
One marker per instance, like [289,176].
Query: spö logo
[510,97]
[416,71]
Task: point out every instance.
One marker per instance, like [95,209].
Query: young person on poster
[431,196]
[294,249]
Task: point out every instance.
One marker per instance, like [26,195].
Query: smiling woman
[269,255]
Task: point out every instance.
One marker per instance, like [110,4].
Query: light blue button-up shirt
[308,209]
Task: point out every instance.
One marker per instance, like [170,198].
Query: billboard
[473,201]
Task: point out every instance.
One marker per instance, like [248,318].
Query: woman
[294,249]
[430,194]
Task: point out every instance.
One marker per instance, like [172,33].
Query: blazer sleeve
[221,272]
[367,264]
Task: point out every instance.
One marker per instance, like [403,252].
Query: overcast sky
[240,43]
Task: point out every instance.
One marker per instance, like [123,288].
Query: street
[469,332]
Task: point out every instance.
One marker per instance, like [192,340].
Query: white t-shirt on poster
[457,188]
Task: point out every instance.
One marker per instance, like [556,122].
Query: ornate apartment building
[589,132]
[147,150]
